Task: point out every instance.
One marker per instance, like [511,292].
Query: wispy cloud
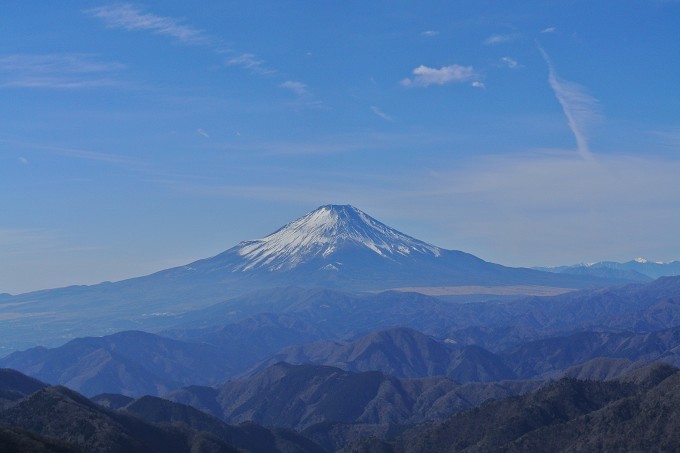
[424,76]
[62,71]
[510,62]
[74,152]
[478,84]
[129,17]
[381,114]
[498,39]
[549,30]
[429,33]
[580,108]
[250,62]
[298,88]
[203,133]
[132,18]
[23,160]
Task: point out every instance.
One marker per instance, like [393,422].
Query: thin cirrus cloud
[381,114]
[580,108]
[424,76]
[250,62]
[61,71]
[298,88]
[129,17]
[429,33]
[76,153]
[498,39]
[510,63]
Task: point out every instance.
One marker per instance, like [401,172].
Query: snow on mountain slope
[633,269]
[323,233]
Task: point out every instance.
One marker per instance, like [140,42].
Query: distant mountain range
[639,269]
[331,247]
[402,334]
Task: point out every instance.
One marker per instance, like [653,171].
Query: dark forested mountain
[16,440]
[333,246]
[247,436]
[407,353]
[56,419]
[299,396]
[15,386]
[554,355]
[638,413]
[403,353]
[61,414]
[132,363]
[19,383]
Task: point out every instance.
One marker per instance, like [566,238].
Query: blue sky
[138,136]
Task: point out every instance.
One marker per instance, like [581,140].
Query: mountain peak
[322,234]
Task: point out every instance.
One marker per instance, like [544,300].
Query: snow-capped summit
[324,233]
[339,246]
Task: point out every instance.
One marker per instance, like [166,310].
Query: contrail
[579,107]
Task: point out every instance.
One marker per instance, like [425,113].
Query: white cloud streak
[60,71]
[424,76]
[510,62]
[381,114]
[580,108]
[498,39]
[75,153]
[203,133]
[250,62]
[131,18]
[298,88]
[549,30]
[430,33]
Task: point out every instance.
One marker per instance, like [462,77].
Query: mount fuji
[340,246]
[333,246]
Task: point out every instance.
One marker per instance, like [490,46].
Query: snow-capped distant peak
[322,233]
[641,260]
